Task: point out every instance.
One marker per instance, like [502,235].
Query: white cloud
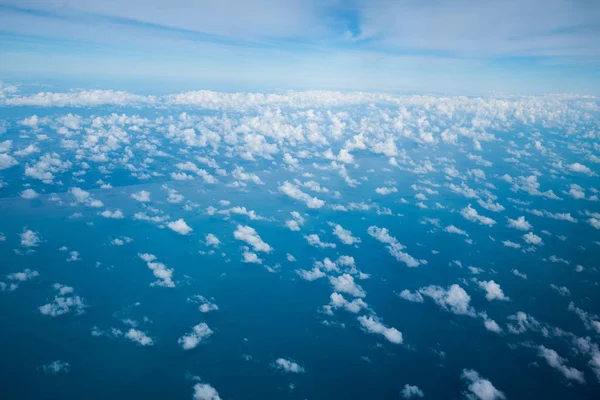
[6,161]
[142,196]
[139,337]
[480,388]
[472,215]
[492,290]
[198,334]
[410,296]
[288,366]
[577,167]
[203,391]
[63,303]
[315,241]
[454,229]
[29,238]
[519,223]
[344,235]
[531,238]
[354,306]
[248,234]
[394,247]
[29,194]
[180,227]
[559,363]
[160,271]
[212,240]
[117,214]
[386,190]
[373,325]
[411,391]
[345,283]
[251,258]
[311,275]
[453,299]
[292,191]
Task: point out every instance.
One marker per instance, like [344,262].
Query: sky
[449,47]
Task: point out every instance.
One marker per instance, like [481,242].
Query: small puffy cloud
[531,238]
[311,275]
[519,223]
[198,334]
[559,363]
[385,190]
[212,240]
[411,392]
[288,366]
[139,337]
[594,222]
[117,214]
[394,246]
[315,241]
[251,258]
[455,230]
[56,367]
[480,388]
[410,296]
[163,273]
[6,161]
[29,194]
[354,306]
[203,391]
[180,227]
[248,234]
[85,197]
[472,215]
[344,235]
[577,167]
[508,243]
[292,191]
[345,283]
[142,196]
[372,325]
[453,299]
[492,290]
[29,238]
[63,303]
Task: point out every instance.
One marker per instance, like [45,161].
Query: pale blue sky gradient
[457,47]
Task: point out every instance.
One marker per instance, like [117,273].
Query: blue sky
[458,47]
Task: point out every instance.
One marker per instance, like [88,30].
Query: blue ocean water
[265,314]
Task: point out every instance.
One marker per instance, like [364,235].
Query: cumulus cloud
[198,334]
[344,235]
[315,241]
[29,194]
[453,299]
[292,191]
[139,337]
[204,391]
[345,283]
[372,325]
[492,290]
[248,234]
[519,223]
[179,226]
[559,363]
[393,245]
[480,388]
[288,366]
[472,215]
[163,273]
[577,167]
[455,230]
[212,240]
[532,238]
[142,196]
[29,238]
[64,302]
[411,392]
